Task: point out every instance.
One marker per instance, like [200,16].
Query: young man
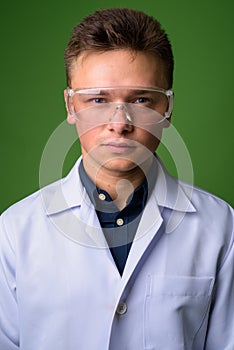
[89,262]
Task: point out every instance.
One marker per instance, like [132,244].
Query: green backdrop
[33,38]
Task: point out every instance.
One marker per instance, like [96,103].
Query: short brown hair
[119,28]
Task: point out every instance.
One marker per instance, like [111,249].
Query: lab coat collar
[69,192]
[172,193]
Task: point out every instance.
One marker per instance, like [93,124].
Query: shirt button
[122,308]
[102,196]
[119,222]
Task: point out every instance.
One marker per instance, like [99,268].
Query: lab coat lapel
[148,227]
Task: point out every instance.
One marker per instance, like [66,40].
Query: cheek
[150,138]
[85,131]
[153,143]
[87,136]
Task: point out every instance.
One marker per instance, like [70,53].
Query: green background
[33,38]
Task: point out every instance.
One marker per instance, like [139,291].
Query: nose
[120,120]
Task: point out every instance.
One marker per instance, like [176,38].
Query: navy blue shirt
[119,227]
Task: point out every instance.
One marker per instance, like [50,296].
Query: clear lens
[141,106]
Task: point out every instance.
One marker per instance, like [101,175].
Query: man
[90,262]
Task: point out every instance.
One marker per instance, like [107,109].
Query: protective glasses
[138,105]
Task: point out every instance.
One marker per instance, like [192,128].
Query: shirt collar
[69,192]
[140,193]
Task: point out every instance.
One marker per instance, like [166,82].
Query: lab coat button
[122,308]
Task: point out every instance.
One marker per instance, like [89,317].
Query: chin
[120,165]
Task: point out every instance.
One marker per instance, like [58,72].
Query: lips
[119,146]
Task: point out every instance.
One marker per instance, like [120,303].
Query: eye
[98,100]
[141,100]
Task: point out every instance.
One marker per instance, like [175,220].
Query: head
[119,28]
[117,48]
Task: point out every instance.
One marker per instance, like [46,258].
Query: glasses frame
[97,91]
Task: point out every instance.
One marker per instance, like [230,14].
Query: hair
[119,28]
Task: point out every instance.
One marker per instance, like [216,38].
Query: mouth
[119,147]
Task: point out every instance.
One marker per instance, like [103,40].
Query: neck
[118,184]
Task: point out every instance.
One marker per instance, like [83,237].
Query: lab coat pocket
[175,308]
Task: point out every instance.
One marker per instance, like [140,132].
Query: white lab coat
[60,288]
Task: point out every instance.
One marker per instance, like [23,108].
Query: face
[117,145]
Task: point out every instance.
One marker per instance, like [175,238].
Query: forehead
[118,68]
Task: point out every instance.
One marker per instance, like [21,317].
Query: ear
[167,122]
[70,118]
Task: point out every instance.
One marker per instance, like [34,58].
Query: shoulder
[56,195]
[212,215]
[28,209]
[204,200]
